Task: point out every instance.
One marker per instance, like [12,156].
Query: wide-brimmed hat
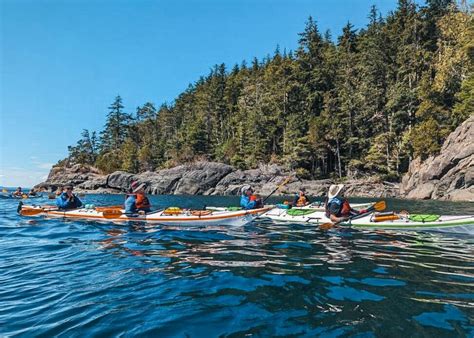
[137,186]
[245,188]
[335,190]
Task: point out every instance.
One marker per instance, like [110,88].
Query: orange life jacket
[142,202]
[302,201]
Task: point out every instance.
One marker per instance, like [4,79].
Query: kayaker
[18,192]
[67,199]
[32,192]
[301,199]
[337,207]
[136,200]
[248,200]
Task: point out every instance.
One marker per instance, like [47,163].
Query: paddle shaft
[276,189]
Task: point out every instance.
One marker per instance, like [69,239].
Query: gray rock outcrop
[205,178]
[447,176]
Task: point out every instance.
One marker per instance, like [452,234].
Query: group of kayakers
[336,206]
[20,193]
[135,200]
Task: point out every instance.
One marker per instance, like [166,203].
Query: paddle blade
[326,226]
[380,206]
[30,212]
[4,190]
[112,213]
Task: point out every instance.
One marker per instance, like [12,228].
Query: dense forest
[365,103]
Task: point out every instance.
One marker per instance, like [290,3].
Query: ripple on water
[265,279]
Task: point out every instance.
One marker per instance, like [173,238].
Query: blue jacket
[246,203]
[63,203]
[130,204]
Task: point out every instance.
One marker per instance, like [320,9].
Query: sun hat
[137,186]
[245,188]
[335,190]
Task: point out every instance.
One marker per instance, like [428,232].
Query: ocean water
[75,278]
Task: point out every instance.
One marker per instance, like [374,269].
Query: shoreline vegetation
[368,107]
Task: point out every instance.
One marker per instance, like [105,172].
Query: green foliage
[364,105]
[426,138]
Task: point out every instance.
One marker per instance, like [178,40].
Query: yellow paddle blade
[326,226]
[380,206]
[24,196]
[4,190]
[30,212]
[112,213]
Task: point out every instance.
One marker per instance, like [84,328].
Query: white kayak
[175,216]
[386,220]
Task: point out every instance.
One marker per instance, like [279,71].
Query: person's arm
[336,219]
[130,206]
[62,202]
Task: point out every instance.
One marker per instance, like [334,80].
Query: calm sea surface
[74,278]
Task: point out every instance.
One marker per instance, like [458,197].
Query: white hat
[141,186]
[335,189]
[245,188]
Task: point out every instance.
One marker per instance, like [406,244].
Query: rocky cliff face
[205,178]
[447,176]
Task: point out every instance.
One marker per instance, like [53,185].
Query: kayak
[385,220]
[24,196]
[175,216]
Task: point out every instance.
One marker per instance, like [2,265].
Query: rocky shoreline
[206,178]
[448,176]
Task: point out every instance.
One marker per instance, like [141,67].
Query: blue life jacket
[246,203]
[63,202]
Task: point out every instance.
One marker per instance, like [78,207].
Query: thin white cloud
[44,165]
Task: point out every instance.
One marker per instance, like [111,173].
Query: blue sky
[63,62]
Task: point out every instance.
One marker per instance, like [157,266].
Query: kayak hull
[458,224]
[232,218]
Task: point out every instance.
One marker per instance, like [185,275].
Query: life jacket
[302,201]
[339,207]
[142,202]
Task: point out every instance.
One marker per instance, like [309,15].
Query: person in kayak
[136,200]
[337,207]
[18,192]
[248,200]
[301,199]
[67,199]
[32,192]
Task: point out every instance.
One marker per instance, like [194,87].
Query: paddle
[30,212]
[379,206]
[277,188]
[35,211]
[4,190]
[112,213]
